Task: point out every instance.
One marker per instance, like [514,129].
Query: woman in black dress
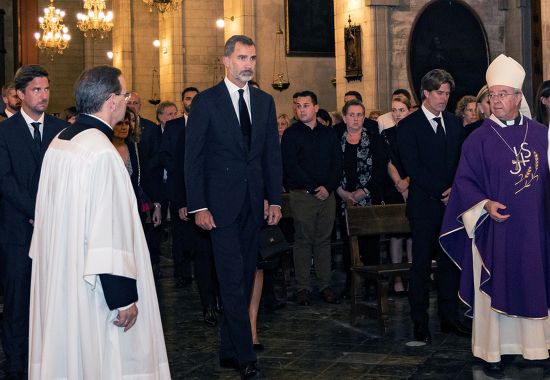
[395,184]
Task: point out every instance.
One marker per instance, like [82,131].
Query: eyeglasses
[500,95]
[125,94]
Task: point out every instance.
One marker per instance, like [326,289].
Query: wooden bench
[369,221]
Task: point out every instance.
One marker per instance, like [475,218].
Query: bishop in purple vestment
[496,229]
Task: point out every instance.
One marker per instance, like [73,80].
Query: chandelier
[163,5]
[55,35]
[96,22]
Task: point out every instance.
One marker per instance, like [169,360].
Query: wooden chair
[367,221]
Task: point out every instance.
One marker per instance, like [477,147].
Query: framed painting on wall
[309,28]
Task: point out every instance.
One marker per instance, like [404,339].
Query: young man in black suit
[429,142]
[24,138]
[233,163]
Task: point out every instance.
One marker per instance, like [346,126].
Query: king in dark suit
[233,163]
[24,138]
[429,141]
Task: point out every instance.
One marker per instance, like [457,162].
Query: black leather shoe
[302,297]
[274,306]
[422,334]
[231,363]
[15,376]
[494,370]
[210,317]
[250,372]
[219,306]
[455,327]
[182,282]
[258,347]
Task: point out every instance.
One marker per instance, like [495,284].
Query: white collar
[500,123]
[430,115]
[232,87]
[100,119]
[30,120]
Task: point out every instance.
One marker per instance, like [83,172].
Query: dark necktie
[439,131]
[244,118]
[37,136]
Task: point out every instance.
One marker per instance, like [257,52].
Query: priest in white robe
[94,310]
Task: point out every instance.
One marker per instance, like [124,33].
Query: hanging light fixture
[55,35]
[163,6]
[280,70]
[95,21]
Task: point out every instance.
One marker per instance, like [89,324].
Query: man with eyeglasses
[24,138]
[312,162]
[496,226]
[94,309]
[429,142]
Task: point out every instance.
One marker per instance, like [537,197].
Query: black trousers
[194,241]
[425,246]
[16,280]
[235,253]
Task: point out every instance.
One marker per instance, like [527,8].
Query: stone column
[545,23]
[171,55]
[518,38]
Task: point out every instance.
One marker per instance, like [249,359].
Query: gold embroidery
[530,174]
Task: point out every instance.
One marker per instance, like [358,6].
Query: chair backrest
[376,220]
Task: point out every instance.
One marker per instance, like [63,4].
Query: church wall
[9,40]
[65,68]
[385,55]
[402,18]
[305,73]
[203,44]
[545,18]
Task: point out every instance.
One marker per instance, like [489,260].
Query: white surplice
[87,223]
[493,333]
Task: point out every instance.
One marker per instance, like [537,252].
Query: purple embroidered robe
[516,252]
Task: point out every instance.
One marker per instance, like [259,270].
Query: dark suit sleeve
[195,146]
[10,189]
[409,147]
[166,143]
[271,159]
[118,291]
[180,197]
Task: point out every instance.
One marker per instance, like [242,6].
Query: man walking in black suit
[429,142]
[233,163]
[24,138]
[170,150]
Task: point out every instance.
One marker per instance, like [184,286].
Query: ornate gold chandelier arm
[55,35]
[96,21]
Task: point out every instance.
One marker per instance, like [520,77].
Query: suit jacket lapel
[226,108]
[48,133]
[255,112]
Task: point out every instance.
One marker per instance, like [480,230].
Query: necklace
[508,145]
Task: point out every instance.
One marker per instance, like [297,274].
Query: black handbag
[272,242]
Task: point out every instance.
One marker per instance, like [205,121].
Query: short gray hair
[232,41]
[94,86]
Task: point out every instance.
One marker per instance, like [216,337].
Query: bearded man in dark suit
[233,163]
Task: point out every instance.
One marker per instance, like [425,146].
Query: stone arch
[449,35]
